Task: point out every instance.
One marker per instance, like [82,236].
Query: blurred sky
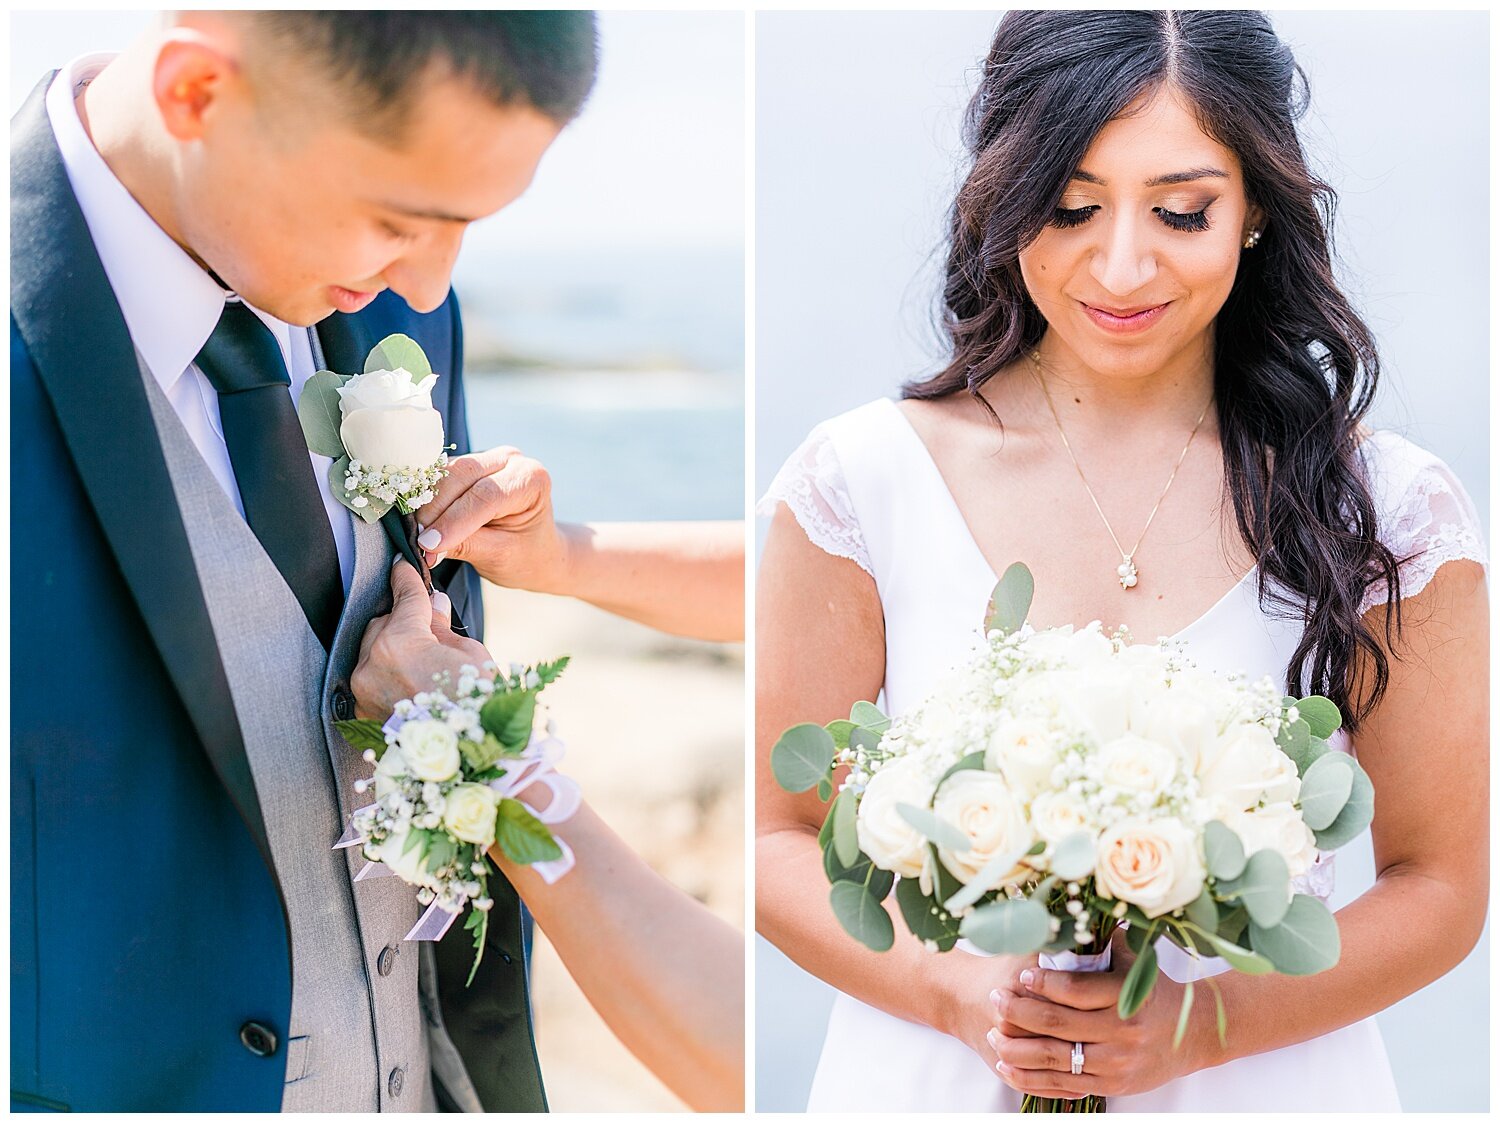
[608,181]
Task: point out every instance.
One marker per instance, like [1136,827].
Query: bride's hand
[970,984]
[494,511]
[401,652]
[1037,1020]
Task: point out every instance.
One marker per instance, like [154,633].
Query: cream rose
[1021,750]
[470,813]
[429,749]
[1135,764]
[389,421]
[392,766]
[1056,815]
[1181,722]
[1098,698]
[1236,770]
[1152,865]
[409,865]
[1279,827]
[883,834]
[984,809]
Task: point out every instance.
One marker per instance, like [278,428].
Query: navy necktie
[283,503]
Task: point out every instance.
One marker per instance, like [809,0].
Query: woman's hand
[1038,1019]
[401,652]
[494,511]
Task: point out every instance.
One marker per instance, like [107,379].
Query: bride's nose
[1124,260]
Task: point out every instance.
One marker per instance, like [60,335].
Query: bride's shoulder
[1402,473]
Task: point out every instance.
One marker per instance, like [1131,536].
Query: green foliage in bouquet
[1246,914]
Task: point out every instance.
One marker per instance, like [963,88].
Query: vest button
[259,1039]
[343,705]
[396,1082]
[387,961]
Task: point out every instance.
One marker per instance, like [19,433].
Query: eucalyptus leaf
[1232,925]
[373,509]
[989,876]
[863,740]
[1264,888]
[1011,600]
[1223,852]
[825,788]
[845,839]
[863,871]
[1008,927]
[1293,738]
[1073,857]
[318,411]
[930,827]
[1135,937]
[924,916]
[868,716]
[522,837]
[825,832]
[1326,789]
[1321,715]
[862,915]
[399,352]
[1304,943]
[1182,1014]
[363,733]
[1356,815]
[1139,981]
[967,764]
[1237,957]
[802,757]
[839,731]
[1203,912]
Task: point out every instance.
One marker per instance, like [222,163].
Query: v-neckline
[924,456]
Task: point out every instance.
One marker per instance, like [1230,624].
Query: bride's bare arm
[665,974]
[820,647]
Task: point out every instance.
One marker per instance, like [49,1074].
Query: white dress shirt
[170,303]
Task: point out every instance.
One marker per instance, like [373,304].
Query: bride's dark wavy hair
[1295,368]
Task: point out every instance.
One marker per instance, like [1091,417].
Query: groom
[198,224]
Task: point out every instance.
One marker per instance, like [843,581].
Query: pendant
[1128,574]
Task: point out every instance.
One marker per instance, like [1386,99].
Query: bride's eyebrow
[1161,180]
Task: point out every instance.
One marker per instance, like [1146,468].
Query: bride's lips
[1125,321]
[349,300]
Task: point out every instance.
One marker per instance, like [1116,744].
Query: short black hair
[544,60]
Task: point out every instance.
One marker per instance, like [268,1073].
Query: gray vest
[365,1032]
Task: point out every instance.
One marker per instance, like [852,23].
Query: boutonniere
[384,436]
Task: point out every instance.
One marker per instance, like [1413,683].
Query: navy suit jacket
[147,924]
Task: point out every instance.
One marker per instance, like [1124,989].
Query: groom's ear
[194,75]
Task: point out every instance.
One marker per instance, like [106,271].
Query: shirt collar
[170,303]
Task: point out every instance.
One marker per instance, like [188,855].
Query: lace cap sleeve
[811,483]
[1428,517]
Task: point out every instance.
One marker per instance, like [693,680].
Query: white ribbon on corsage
[535,767]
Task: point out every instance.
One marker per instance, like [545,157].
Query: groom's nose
[422,274]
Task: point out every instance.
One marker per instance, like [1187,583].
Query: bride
[1153,398]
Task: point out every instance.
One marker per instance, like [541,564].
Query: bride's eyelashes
[1067,218]
[392,231]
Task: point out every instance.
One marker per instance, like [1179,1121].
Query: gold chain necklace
[1127,571]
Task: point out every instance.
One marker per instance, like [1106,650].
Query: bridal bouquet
[1062,783]
[449,765]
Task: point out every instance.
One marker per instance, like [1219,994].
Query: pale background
[857,151]
[603,317]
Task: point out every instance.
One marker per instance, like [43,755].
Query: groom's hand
[494,511]
[402,652]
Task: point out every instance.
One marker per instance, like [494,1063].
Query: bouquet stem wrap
[1070,961]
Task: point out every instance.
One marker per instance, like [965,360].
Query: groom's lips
[349,300]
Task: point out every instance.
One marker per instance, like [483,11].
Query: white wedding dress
[863,486]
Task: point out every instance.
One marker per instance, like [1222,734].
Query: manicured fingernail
[397,560]
[439,559]
[1028,977]
[429,539]
[441,604]
[995,999]
[993,1037]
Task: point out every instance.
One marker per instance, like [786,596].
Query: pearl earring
[1252,239]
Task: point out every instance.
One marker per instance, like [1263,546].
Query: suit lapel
[65,311]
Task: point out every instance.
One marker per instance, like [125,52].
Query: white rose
[1152,865]
[1279,827]
[984,809]
[470,813]
[392,766]
[1099,699]
[429,749]
[883,834]
[1022,751]
[389,421]
[409,865]
[1056,815]
[1236,770]
[1181,721]
[1135,764]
